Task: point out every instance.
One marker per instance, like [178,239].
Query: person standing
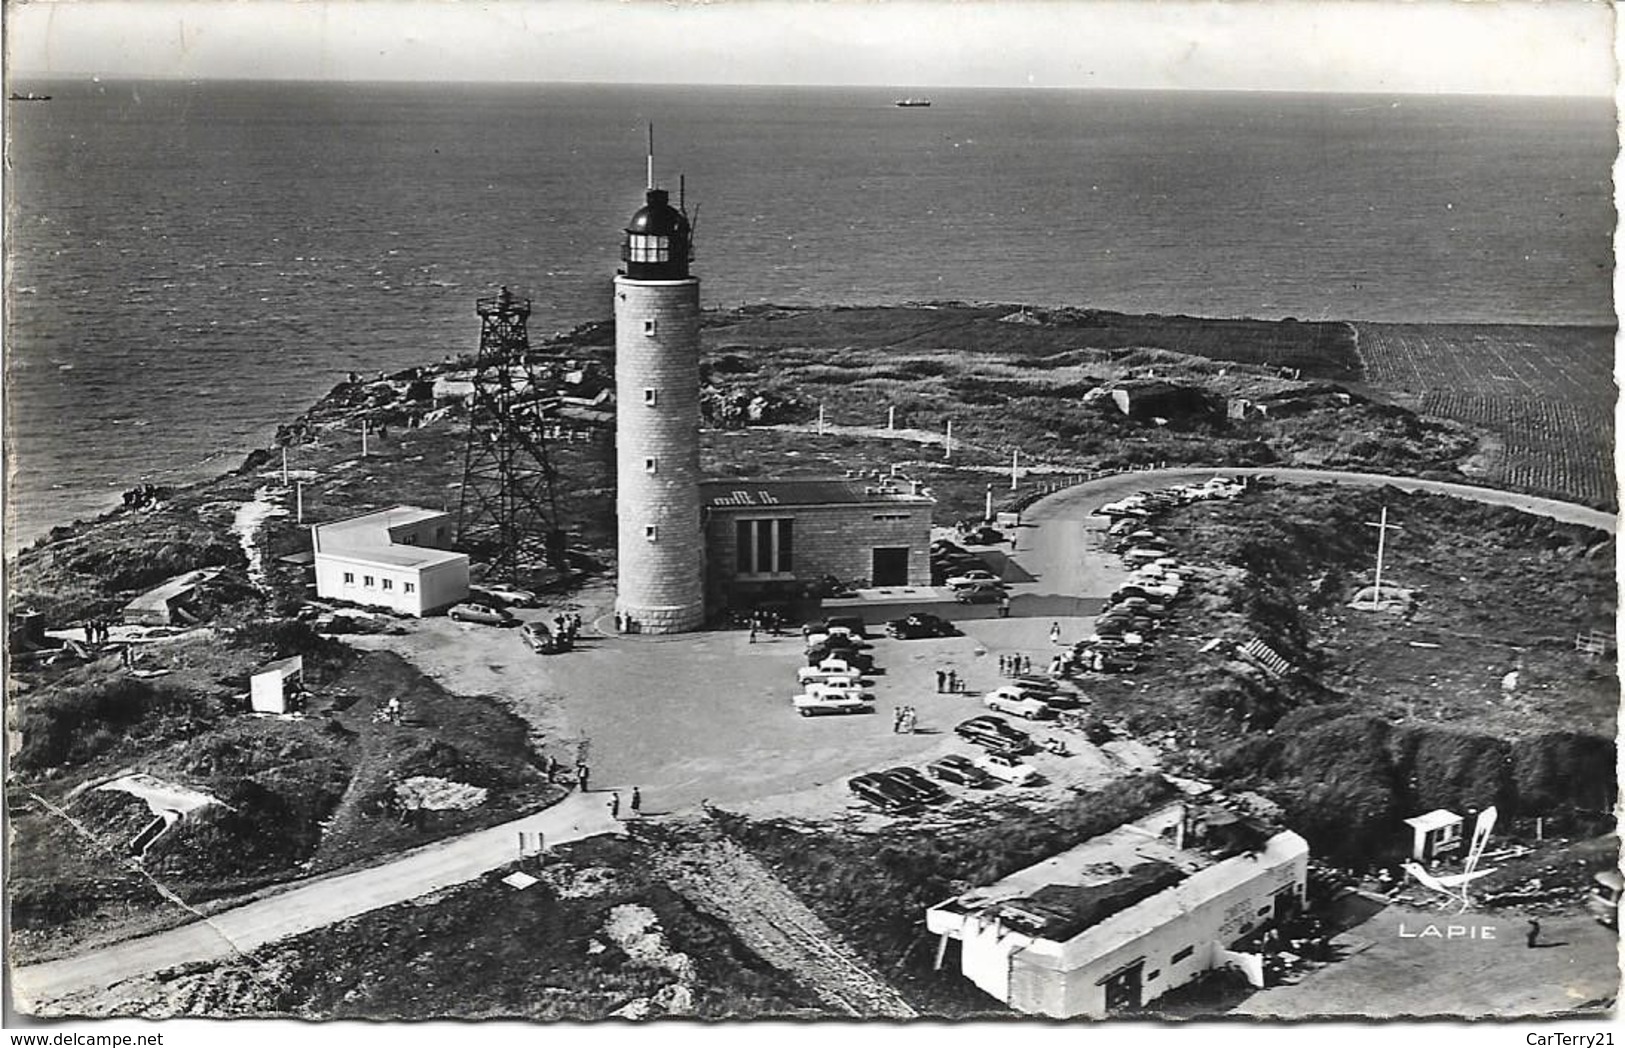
[1532,937]
[582,774]
[637,801]
[615,805]
[1055,633]
[753,631]
[1004,605]
[942,679]
[953,682]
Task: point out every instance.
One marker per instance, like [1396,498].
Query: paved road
[1079,502]
[314,904]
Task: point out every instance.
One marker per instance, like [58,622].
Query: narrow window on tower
[651,533]
[651,397]
[742,536]
[648,465]
[648,327]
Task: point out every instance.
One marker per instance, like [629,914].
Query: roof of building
[395,555]
[180,585]
[1433,820]
[1117,886]
[749,493]
[375,526]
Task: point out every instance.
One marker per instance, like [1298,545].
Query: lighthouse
[660,583]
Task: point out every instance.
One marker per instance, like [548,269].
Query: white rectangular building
[1125,917]
[398,558]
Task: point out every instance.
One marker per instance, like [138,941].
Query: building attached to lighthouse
[660,583]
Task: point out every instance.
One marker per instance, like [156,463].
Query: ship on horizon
[29,97]
[912,103]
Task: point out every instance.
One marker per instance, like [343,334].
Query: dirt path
[722,879]
[243,929]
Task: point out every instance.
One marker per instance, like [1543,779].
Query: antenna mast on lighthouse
[651,184]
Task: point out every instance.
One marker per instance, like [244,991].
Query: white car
[1007,769]
[974,577]
[829,671]
[1013,700]
[829,698]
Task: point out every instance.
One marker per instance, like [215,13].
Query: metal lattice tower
[508,515]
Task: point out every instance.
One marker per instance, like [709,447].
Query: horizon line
[14,77]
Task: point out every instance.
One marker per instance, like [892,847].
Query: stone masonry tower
[657,422]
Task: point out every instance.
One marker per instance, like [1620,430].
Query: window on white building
[349,578]
[649,465]
[651,397]
[651,532]
[649,327]
[409,587]
[389,584]
[367,581]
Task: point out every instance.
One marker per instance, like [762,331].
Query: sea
[190,263]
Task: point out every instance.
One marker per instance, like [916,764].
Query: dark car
[912,627]
[921,788]
[984,536]
[995,733]
[958,769]
[884,793]
[979,594]
[861,661]
[853,623]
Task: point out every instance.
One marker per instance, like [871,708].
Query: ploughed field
[1546,394]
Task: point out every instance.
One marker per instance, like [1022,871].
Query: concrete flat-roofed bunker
[1127,916]
[166,605]
[768,539]
[396,558]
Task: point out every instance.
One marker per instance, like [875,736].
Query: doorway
[1123,988]
[890,566]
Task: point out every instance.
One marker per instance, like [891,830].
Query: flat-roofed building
[398,558]
[1127,916]
[770,539]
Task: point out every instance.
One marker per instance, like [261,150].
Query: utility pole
[987,514]
[820,420]
[299,501]
[891,417]
[284,465]
[1014,458]
[948,440]
[1382,527]
[363,438]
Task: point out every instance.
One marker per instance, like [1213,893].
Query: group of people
[552,766]
[634,804]
[1014,665]
[625,623]
[770,622]
[97,630]
[948,682]
[565,627]
[903,720]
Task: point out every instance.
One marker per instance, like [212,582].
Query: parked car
[853,624]
[483,613]
[1101,658]
[1018,702]
[979,593]
[882,792]
[974,577]
[958,769]
[1006,768]
[540,639]
[912,627]
[510,596]
[861,661]
[994,733]
[829,671]
[923,789]
[984,536]
[833,698]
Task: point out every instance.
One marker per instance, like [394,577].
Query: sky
[1488,47]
